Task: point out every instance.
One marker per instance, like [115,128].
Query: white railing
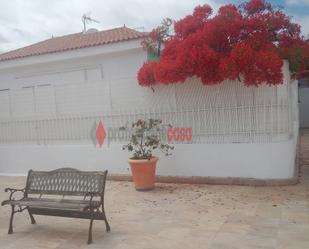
[223,113]
[231,124]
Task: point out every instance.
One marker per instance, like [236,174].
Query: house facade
[53,95]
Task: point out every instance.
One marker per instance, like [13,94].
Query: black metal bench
[58,184]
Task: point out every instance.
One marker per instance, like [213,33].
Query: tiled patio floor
[176,216]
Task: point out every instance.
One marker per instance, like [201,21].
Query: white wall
[109,80]
[67,86]
[262,161]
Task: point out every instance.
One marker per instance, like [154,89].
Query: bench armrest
[13,191]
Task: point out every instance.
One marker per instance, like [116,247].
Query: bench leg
[11,220]
[31,217]
[106,224]
[90,232]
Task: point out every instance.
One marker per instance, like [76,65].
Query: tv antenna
[87,19]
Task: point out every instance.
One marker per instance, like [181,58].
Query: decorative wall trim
[215,180]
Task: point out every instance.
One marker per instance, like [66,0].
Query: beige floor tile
[176,216]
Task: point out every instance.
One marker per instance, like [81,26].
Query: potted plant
[145,137]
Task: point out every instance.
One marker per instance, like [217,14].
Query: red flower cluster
[248,42]
[145,76]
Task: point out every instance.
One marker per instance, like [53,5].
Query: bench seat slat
[62,204]
[68,213]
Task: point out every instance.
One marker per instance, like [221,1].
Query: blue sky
[26,22]
[297,9]
[294,7]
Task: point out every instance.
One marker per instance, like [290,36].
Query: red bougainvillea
[145,75]
[248,43]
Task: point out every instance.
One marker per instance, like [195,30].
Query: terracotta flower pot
[144,173]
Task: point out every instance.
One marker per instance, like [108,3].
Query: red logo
[100,134]
[179,134]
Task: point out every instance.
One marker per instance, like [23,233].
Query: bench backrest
[66,181]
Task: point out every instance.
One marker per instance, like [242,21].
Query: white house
[54,93]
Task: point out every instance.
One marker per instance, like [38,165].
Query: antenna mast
[87,19]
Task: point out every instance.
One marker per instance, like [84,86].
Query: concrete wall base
[215,180]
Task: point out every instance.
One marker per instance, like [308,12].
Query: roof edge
[73,54]
[40,48]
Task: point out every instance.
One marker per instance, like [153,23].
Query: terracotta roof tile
[74,41]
